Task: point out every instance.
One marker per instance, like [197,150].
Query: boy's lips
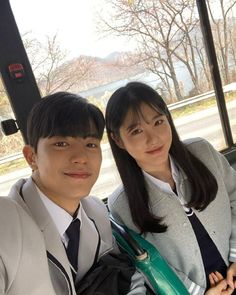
[81,174]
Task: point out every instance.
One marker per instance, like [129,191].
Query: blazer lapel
[89,245]
[54,245]
[156,195]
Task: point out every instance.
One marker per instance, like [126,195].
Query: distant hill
[86,72]
[113,56]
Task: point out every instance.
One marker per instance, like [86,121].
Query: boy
[68,232]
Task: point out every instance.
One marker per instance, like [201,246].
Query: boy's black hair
[203,183]
[64,114]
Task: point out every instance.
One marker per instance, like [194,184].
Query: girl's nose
[151,137]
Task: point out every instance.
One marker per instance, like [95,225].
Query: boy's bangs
[87,129]
[74,123]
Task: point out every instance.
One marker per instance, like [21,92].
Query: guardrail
[10,158]
[227,88]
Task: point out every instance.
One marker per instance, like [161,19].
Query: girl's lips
[155,150]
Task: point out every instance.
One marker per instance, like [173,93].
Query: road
[202,124]
[207,124]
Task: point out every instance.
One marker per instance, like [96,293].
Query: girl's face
[147,138]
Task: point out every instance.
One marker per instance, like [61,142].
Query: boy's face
[65,168]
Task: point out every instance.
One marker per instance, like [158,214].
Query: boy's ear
[30,156]
[117,140]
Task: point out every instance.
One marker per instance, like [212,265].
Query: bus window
[222,17]
[12,163]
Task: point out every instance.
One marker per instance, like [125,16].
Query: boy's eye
[92,142]
[61,144]
[91,145]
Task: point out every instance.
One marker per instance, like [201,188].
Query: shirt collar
[164,186]
[60,217]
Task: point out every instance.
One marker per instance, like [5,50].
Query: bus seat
[231,157]
[160,277]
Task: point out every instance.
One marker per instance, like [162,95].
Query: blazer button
[185,224]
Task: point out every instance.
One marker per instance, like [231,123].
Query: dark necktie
[73,232]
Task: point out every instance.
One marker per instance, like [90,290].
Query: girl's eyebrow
[132,126]
[135,124]
[157,116]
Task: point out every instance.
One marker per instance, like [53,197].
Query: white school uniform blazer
[33,259]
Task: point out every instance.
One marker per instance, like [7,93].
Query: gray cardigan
[178,244]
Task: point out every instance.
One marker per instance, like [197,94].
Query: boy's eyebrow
[93,135]
[57,136]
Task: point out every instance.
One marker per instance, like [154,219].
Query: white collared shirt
[162,185]
[165,186]
[60,217]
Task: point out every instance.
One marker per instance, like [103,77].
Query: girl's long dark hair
[203,184]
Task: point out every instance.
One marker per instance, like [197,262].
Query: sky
[72,20]
[74,23]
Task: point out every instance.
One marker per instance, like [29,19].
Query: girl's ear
[30,156]
[117,140]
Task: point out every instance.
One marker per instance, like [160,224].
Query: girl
[181,196]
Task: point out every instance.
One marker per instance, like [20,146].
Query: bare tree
[205,83]
[51,67]
[221,26]
[164,32]
[168,36]
[188,25]
[71,75]
[232,36]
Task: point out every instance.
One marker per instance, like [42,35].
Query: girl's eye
[61,144]
[136,131]
[159,122]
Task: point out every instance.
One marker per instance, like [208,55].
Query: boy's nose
[79,156]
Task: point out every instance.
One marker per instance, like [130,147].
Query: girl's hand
[231,273]
[219,285]
[215,278]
